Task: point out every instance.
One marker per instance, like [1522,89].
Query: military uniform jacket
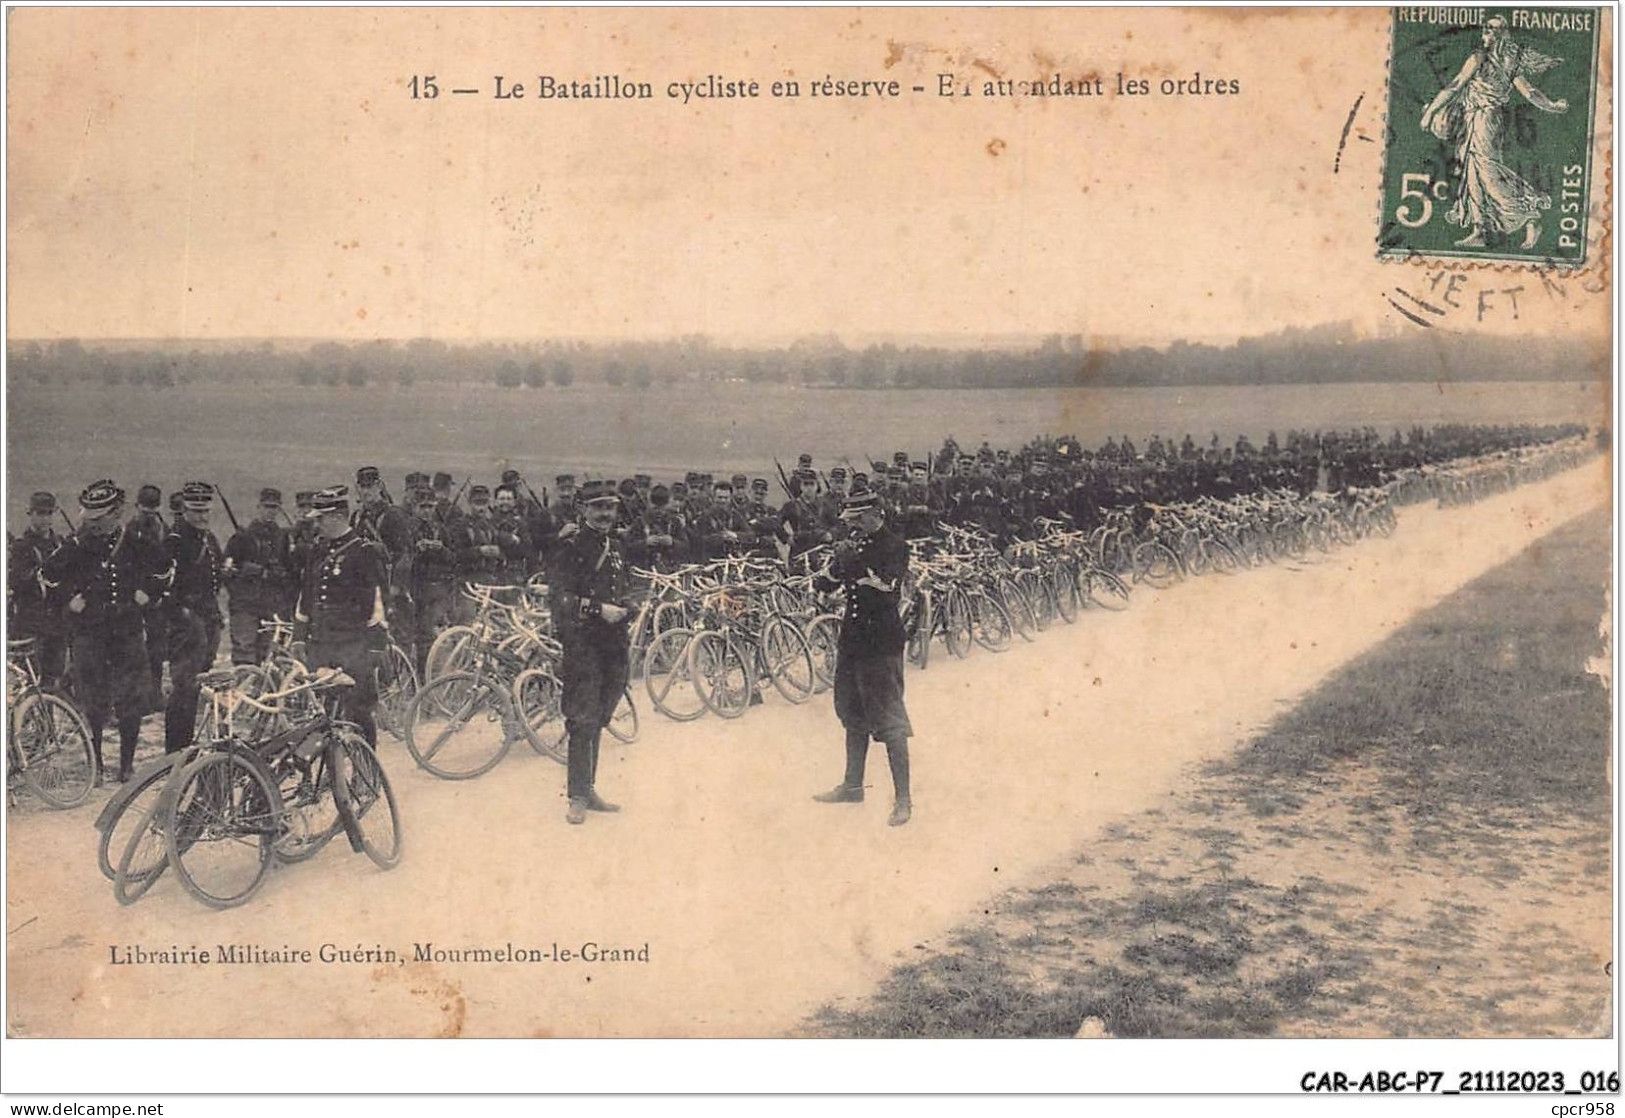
[802,525]
[513,538]
[344,587]
[106,571]
[30,604]
[660,521]
[261,557]
[588,570]
[468,535]
[195,569]
[391,527]
[873,575]
[432,565]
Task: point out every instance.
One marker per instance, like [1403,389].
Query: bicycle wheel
[365,798]
[1039,601]
[452,651]
[1065,593]
[126,810]
[222,822]
[536,695]
[1221,557]
[1106,590]
[720,674]
[623,724]
[54,750]
[458,726]
[957,627]
[789,659]
[145,856]
[919,631]
[397,685]
[1155,564]
[1009,595]
[824,642]
[990,623]
[310,812]
[669,678]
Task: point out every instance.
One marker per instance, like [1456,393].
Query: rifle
[282,512]
[225,504]
[784,481]
[66,520]
[458,498]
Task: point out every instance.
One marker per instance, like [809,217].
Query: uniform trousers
[194,639]
[110,676]
[594,677]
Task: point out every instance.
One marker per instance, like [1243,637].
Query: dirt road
[756,905]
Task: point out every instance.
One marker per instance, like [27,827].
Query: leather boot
[595,802]
[129,733]
[577,812]
[850,789]
[903,807]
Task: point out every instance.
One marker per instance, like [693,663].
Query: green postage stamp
[1490,115]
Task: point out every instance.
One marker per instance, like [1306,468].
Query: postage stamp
[1490,116]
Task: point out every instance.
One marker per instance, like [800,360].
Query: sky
[188,173]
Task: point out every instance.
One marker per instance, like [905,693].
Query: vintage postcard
[1086,523]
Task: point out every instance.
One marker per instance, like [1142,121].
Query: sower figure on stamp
[589,588]
[107,575]
[341,605]
[869,662]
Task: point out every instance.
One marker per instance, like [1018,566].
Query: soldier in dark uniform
[34,612]
[512,537]
[590,614]
[259,579]
[474,546]
[193,603]
[764,521]
[869,661]
[301,539]
[445,502]
[801,526]
[106,575]
[378,517]
[434,574]
[340,620]
[150,531]
[661,539]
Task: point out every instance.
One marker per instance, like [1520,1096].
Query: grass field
[1419,849]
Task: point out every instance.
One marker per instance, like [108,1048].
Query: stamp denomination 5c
[1490,114]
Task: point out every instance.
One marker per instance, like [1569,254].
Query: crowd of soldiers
[128,594]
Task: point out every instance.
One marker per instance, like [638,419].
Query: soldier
[831,501]
[340,620]
[764,521]
[259,579]
[193,604]
[661,540]
[474,546]
[107,575]
[445,502]
[150,532]
[917,518]
[301,538]
[512,538]
[378,517]
[869,662]
[590,614]
[35,613]
[715,534]
[539,526]
[801,527]
[434,574]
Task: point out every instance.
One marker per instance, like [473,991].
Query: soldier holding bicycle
[259,563]
[341,610]
[196,564]
[36,612]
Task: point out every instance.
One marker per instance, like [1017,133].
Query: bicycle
[49,746]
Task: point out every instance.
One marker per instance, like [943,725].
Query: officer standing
[869,661]
[194,610]
[259,565]
[590,613]
[341,605]
[107,575]
[36,613]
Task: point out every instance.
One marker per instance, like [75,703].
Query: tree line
[1333,353]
